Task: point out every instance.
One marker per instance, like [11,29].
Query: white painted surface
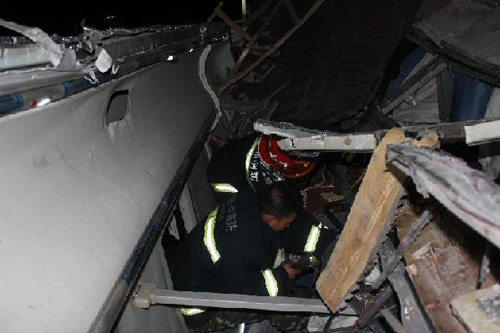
[161,319]
[73,202]
[484,132]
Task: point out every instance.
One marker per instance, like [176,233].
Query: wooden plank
[440,277]
[439,267]
[364,227]
[367,223]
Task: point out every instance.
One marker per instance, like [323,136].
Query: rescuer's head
[288,166]
[279,205]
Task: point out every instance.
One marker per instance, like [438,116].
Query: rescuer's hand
[291,271]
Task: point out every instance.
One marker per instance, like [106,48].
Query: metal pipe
[233,301]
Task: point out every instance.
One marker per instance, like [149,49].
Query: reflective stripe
[313,238]
[209,238]
[248,159]
[191,311]
[225,188]
[271,283]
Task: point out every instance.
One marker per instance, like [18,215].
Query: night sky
[69,24]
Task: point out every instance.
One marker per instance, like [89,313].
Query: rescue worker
[234,250]
[253,162]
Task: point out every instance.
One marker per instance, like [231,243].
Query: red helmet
[288,166]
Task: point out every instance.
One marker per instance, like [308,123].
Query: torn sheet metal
[466,192]
[299,138]
[104,61]
[26,88]
[54,51]
[16,57]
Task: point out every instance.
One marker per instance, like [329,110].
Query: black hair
[280,199]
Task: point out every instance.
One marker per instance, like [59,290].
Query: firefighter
[252,163]
[234,251]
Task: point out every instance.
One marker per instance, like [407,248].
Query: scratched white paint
[73,201]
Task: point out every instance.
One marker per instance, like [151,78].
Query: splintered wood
[367,223]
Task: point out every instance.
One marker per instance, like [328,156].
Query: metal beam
[151,296]
[413,315]
[382,297]
[395,258]
[298,138]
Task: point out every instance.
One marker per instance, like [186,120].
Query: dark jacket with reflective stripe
[246,245]
[238,163]
[229,166]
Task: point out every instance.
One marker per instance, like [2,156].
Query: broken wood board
[439,269]
[468,193]
[366,225]
[433,236]
[479,311]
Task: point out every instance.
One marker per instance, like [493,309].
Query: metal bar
[234,301]
[414,83]
[254,38]
[467,193]
[485,265]
[275,46]
[300,138]
[413,232]
[292,11]
[213,15]
[106,317]
[220,13]
[413,314]
[268,21]
[258,12]
[366,317]
[392,321]
[239,63]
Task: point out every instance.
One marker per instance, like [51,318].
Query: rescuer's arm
[270,282]
[305,241]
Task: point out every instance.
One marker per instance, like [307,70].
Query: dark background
[68,21]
